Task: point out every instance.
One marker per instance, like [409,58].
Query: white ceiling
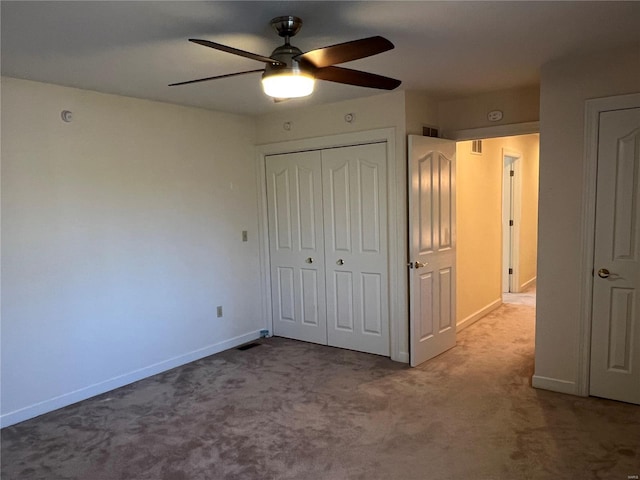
[446,48]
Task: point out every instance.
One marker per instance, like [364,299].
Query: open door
[432,241]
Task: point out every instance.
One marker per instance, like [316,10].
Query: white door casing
[615,325]
[511,218]
[355,219]
[296,243]
[432,247]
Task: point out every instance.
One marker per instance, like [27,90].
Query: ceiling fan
[290,73]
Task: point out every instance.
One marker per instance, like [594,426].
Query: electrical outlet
[244,235]
[219,311]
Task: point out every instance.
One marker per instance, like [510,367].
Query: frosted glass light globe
[288,85]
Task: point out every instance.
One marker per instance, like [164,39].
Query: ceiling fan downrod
[286,26]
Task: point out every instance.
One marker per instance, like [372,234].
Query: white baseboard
[528,284]
[474,317]
[554,384]
[66,399]
[403,357]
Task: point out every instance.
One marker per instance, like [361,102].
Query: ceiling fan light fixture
[288,84]
[290,73]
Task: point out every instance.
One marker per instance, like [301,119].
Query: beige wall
[530,147]
[479,219]
[117,241]
[479,232]
[565,85]
[519,105]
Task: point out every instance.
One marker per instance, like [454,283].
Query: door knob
[340,261]
[419,264]
[309,260]
[604,273]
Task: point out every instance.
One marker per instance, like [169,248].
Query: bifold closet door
[328,246]
[355,239]
[296,244]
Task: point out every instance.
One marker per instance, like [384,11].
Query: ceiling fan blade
[215,78]
[235,51]
[356,77]
[345,52]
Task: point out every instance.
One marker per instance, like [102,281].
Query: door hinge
[511,223]
[512,173]
[511,271]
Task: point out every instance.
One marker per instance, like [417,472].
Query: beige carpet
[291,410]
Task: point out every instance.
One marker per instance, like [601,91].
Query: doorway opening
[497,218]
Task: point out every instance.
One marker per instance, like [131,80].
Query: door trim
[593,109]
[513,281]
[396,234]
[507,130]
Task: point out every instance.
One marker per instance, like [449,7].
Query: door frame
[593,109]
[398,324]
[513,280]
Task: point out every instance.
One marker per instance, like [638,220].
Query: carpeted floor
[526,297]
[292,410]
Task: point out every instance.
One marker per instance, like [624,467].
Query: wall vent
[476,147]
[248,346]
[429,131]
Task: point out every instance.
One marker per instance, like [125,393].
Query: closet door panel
[355,221]
[343,301]
[337,195]
[296,246]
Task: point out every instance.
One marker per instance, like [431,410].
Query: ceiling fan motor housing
[288,64]
[287,26]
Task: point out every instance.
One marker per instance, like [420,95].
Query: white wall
[121,233]
[378,111]
[518,105]
[421,110]
[565,85]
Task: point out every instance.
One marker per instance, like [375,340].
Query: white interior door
[296,246]
[355,228]
[615,332]
[432,242]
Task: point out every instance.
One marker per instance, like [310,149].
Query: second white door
[328,245]
[615,332]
